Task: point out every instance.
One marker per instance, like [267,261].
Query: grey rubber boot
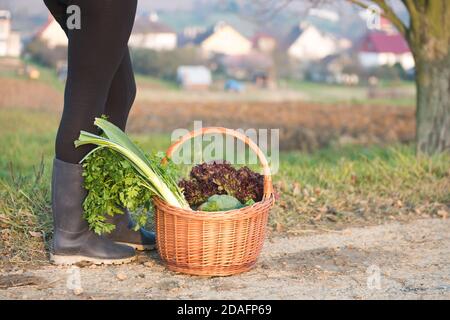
[124,233]
[73,242]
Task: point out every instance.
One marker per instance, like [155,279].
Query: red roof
[44,27]
[382,42]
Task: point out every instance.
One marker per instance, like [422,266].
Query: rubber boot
[124,233]
[73,242]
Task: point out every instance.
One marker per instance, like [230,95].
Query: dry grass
[25,218]
[303,126]
[359,186]
[29,94]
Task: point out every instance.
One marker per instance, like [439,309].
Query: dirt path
[412,261]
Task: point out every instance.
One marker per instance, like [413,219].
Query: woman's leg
[95,56]
[121,93]
[123,87]
[120,99]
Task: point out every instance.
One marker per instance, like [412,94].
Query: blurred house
[150,33]
[248,66]
[194,77]
[223,39]
[52,34]
[264,42]
[306,43]
[10,41]
[385,47]
[336,69]
[189,34]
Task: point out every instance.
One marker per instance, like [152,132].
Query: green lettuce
[221,202]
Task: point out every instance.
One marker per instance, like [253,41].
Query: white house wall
[312,46]
[5,29]
[14,45]
[54,35]
[369,59]
[227,41]
[3,48]
[10,42]
[154,41]
[407,61]
[372,59]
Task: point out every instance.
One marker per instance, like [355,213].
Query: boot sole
[70,260]
[139,247]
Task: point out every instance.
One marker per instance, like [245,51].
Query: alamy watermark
[73,281]
[219,147]
[372,15]
[373,277]
[73,21]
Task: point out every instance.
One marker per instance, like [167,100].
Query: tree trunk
[429,38]
[433,105]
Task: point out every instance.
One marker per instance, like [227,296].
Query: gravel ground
[391,261]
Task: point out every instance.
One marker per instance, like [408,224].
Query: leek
[154,178]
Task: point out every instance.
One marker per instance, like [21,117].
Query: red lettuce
[208,179]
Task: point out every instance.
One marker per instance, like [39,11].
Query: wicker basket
[213,244]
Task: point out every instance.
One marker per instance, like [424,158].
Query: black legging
[100,77]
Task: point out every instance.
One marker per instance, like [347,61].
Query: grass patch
[25,218]
[360,185]
[47,75]
[328,189]
[148,81]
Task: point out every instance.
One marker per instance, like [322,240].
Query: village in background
[324,76]
[232,54]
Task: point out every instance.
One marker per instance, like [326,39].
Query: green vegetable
[113,184]
[148,173]
[250,203]
[221,202]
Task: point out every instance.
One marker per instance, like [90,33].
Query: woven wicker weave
[213,243]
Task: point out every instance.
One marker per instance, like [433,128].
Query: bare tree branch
[263,11]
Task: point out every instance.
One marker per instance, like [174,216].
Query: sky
[37,6]
[29,14]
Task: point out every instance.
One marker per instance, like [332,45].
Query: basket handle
[268,186]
